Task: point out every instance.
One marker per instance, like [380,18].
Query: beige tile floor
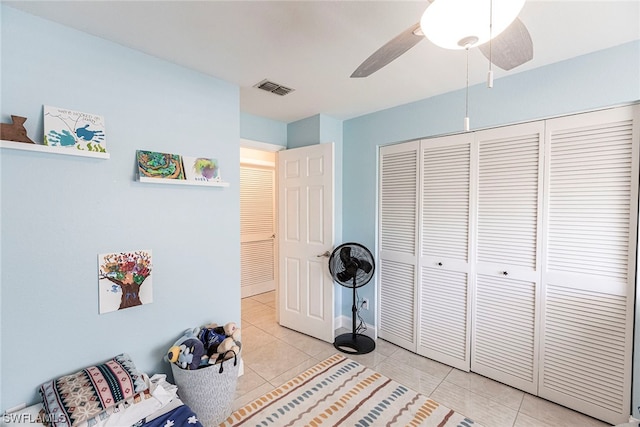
[273,354]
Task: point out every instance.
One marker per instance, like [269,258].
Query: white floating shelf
[182,182]
[68,151]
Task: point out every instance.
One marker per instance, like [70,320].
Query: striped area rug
[340,391]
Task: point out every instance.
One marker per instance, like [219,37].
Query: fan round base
[351,343]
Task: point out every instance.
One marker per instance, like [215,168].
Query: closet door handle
[439,264]
[505,273]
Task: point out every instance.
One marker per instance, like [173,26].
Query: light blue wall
[600,79]
[60,212]
[261,129]
[304,132]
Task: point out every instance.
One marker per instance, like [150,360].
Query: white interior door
[306,231]
[444,326]
[398,222]
[589,264]
[507,284]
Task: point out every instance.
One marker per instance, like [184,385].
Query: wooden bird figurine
[15,131]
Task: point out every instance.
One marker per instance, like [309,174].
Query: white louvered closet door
[589,267]
[257,229]
[443,283]
[397,260]
[509,186]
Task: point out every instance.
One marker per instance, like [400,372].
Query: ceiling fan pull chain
[490,74]
[466,106]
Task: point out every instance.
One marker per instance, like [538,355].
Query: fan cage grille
[364,265]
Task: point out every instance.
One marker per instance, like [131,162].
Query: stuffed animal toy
[187,355]
[187,351]
[210,338]
[222,351]
[213,334]
[231,330]
[218,340]
[228,330]
[188,333]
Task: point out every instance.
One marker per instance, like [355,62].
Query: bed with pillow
[111,394]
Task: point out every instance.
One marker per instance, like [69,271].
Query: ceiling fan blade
[390,51]
[513,47]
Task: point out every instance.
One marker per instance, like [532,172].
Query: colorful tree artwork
[121,277]
[68,128]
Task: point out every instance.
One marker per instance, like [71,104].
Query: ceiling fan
[510,42]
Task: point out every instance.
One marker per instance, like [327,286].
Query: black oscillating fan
[352,266]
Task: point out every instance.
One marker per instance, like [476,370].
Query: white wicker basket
[209,391]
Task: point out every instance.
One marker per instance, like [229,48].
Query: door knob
[326,254]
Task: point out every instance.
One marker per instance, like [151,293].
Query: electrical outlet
[365,304]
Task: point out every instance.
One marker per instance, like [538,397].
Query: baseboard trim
[259,288]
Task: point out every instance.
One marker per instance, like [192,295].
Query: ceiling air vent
[273,87]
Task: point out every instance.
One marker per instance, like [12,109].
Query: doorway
[285,251]
[258,219]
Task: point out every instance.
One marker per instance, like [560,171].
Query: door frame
[273,148]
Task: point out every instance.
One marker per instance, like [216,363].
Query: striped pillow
[72,399]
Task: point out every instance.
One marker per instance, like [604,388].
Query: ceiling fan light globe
[452,23]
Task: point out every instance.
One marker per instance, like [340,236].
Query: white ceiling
[314,46]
